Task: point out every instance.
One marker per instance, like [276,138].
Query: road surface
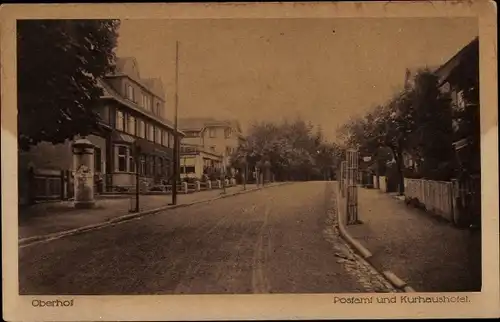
[276,240]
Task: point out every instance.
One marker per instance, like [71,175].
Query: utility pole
[176,135]
[137,181]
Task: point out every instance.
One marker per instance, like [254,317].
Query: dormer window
[130,92]
[146,102]
[227,133]
[158,109]
[212,133]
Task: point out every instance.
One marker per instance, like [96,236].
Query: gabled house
[219,136]
[459,77]
[133,119]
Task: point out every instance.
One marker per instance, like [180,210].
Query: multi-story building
[134,128]
[215,137]
[135,110]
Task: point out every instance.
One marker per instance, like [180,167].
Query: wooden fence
[436,196]
[37,185]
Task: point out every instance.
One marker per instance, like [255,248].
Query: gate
[352,187]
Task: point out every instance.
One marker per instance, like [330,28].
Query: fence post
[198,186]
[209,185]
[219,184]
[185,187]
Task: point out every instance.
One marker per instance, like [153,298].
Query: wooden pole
[176,136]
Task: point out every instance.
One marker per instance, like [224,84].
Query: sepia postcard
[249,161]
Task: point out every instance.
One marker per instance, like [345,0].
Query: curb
[367,255]
[43,238]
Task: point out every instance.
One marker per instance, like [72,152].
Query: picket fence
[436,196]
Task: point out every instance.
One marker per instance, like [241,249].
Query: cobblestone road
[277,240]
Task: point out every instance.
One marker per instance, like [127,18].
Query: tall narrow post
[176,135]
[245,176]
[137,185]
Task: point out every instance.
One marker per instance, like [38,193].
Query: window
[146,102]
[171,139]
[151,132]
[122,158]
[164,139]
[97,159]
[460,100]
[142,165]
[141,128]
[158,108]
[131,125]
[227,133]
[159,167]
[212,133]
[158,135]
[120,120]
[229,150]
[150,165]
[212,148]
[131,161]
[130,92]
[189,169]
[192,134]
[167,168]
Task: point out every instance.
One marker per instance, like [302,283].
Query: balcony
[193,149]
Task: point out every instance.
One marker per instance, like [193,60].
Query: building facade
[134,136]
[459,77]
[218,137]
[196,161]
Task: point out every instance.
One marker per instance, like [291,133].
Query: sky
[322,70]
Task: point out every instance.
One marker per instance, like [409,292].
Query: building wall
[120,84]
[193,140]
[222,145]
[192,161]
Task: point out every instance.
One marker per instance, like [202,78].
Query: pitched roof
[445,70]
[199,123]
[109,92]
[128,66]
[155,85]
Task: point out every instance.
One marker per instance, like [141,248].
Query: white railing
[436,196]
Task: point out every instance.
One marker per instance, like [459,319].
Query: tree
[416,121]
[432,134]
[59,64]
[294,151]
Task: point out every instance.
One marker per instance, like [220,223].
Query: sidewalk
[429,254]
[47,218]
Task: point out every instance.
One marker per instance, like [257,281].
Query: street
[276,240]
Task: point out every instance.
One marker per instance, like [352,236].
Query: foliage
[294,150]
[59,62]
[416,121]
